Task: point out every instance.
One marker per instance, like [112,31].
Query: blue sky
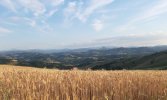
[55,24]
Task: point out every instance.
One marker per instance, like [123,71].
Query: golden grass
[18,83]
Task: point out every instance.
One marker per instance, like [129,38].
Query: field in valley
[26,83]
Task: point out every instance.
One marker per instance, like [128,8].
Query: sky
[58,24]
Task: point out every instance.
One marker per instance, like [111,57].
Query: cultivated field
[18,83]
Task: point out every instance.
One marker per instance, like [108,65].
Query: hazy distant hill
[95,58]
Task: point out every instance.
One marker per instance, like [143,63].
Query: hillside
[88,58]
[153,61]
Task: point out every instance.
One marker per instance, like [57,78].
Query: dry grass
[17,83]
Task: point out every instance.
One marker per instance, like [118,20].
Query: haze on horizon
[48,24]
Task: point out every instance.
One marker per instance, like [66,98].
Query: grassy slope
[154,61]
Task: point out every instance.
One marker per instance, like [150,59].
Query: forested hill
[153,61]
[96,58]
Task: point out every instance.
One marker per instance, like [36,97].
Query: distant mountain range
[90,58]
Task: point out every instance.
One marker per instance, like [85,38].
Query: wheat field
[20,83]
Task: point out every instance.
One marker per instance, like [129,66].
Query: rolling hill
[90,58]
[153,61]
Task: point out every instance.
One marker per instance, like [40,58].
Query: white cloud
[38,25]
[31,22]
[4,30]
[54,6]
[34,6]
[97,25]
[143,39]
[71,9]
[70,12]
[159,8]
[149,13]
[51,13]
[23,20]
[81,11]
[57,2]
[37,7]
[8,4]
[94,5]
[42,26]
